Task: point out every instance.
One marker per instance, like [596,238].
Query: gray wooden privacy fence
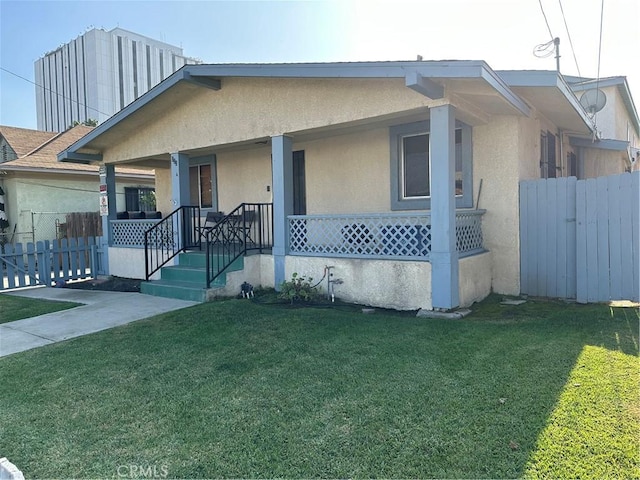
[579,239]
[49,262]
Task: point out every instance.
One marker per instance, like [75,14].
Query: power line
[545,19]
[57,93]
[566,26]
[595,118]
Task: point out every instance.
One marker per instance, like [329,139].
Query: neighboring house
[401,176]
[39,190]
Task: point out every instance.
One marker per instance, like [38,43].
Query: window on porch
[140,199]
[410,166]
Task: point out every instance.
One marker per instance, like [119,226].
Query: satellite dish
[593,100]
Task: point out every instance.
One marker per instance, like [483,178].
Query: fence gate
[579,239]
[48,263]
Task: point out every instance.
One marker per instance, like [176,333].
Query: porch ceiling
[482,95]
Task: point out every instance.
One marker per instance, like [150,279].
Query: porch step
[174,289]
[186,280]
[198,259]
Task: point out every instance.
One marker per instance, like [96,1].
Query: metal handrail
[249,227]
[172,235]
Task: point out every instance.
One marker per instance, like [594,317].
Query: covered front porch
[373,170]
[400,258]
[379,259]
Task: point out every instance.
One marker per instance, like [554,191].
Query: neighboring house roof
[24,140]
[43,157]
[579,84]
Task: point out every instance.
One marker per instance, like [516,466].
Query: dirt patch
[109,284]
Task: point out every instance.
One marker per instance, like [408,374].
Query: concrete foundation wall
[475,278]
[402,285]
[129,263]
[258,271]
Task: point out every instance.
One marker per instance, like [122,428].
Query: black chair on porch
[242,225]
[213,218]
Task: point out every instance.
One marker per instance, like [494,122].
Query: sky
[503,33]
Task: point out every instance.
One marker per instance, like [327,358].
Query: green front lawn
[16,308]
[236,389]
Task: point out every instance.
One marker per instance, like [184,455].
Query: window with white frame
[410,166]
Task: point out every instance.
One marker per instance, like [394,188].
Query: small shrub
[299,288]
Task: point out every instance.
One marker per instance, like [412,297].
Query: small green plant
[299,288]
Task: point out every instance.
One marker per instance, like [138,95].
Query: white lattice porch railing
[390,235]
[130,233]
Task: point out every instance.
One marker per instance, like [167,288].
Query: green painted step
[181,273]
[174,289]
[198,259]
[187,279]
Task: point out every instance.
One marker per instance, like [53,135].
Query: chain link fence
[37,226]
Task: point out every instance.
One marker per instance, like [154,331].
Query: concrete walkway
[101,310]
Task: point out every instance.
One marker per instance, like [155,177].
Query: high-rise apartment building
[98,74]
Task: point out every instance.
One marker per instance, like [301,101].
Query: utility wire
[566,26]
[595,117]
[57,93]
[545,19]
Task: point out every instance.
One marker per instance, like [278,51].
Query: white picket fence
[49,262]
[579,239]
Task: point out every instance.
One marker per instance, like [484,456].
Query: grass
[16,308]
[237,389]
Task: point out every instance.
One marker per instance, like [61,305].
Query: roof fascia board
[80,157]
[151,95]
[493,79]
[451,69]
[627,99]
[564,87]
[547,78]
[604,144]
[426,70]
[603,82]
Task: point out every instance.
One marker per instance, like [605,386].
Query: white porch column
[282,168]
[180,194]
[444,255]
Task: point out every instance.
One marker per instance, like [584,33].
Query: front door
[299,185]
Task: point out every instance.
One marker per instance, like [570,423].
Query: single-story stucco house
[39,191]
[401,176]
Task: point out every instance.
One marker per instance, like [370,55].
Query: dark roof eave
[64,171]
